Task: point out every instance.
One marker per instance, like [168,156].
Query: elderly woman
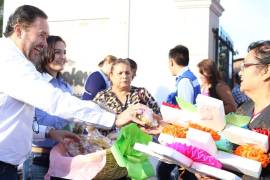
[255,83]
[213,86]
[122,95]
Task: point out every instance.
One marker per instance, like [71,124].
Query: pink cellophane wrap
[196,154]
[81,167]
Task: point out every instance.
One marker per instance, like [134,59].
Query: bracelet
[47,131]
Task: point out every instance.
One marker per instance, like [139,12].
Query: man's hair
[180,55]
[24,15]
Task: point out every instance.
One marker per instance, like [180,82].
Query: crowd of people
[36,103]
[25,89]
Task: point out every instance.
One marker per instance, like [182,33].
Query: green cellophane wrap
[186,105]
[237,120]
[137,163]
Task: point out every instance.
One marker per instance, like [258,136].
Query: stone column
[198,18]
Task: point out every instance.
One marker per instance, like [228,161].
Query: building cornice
[214,5]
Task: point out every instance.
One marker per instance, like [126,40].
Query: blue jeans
[36,166]
[8,172]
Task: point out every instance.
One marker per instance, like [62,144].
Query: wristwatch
[47,131]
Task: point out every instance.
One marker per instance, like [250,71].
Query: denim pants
[8,172]
[36,166]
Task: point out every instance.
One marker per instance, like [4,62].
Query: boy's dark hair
[24,15]
[180,55]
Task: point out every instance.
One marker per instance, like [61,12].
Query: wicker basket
[111,169]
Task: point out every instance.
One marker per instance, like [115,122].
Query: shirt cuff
[108,119]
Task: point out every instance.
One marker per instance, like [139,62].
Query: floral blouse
[136,95]
[109,100]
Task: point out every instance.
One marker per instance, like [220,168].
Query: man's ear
[18,30]
[171,62]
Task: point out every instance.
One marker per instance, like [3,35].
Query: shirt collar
[183,70]
[12,43]
[47,77]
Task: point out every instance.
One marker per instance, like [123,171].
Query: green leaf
[186,105]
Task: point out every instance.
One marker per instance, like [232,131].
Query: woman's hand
[155,130]
[157,117]
[130,115]
[152,131]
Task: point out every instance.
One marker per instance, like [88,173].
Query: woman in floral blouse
[122,95]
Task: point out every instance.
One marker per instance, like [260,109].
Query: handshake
[138,113]
[143,116]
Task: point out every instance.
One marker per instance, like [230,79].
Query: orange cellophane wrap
[176,131]
[213,133]
[254,153]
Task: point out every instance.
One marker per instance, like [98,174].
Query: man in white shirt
[22,88]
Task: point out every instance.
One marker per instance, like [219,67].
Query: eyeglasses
[246,65]
[35,125]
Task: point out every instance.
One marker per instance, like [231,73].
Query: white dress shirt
[184,88]
[21,89]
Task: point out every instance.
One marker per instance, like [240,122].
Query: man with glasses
[22,88]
